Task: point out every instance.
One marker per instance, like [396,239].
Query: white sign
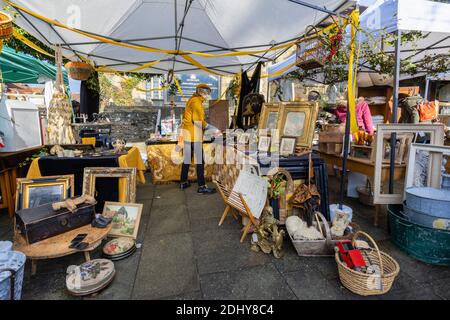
[254,191]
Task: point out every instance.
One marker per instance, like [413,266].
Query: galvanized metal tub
[424,205]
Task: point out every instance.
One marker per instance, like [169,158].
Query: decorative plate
[118,246]
[89,277]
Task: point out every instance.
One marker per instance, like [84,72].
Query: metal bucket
[430,201]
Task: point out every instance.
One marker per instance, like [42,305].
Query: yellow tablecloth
[132,159]
[164,169]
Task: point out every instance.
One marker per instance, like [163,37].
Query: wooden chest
[39,223]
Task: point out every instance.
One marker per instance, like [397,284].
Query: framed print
[269,116]
[287,146]
[128,175]
[263,143]
[31,193]
[125,218]
[298,119]
[244,138]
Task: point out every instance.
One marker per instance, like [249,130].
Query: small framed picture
[287,146]
[264,144]
[244,138]
[31,193]
[126,218]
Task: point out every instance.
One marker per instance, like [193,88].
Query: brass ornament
[270,240]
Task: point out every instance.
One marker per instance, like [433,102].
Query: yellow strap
[354,16]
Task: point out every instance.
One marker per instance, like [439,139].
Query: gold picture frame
[298,119]
[126,218]
[31,193]
[269,117]
[129,174]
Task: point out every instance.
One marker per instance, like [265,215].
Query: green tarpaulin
[19,67]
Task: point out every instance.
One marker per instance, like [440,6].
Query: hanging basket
[6,26]
[79,70]
[369,284]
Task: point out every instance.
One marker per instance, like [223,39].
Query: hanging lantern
[6,26]
[79,70]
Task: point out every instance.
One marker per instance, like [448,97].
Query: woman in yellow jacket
[193,126]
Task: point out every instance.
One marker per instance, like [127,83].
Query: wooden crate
[330,147]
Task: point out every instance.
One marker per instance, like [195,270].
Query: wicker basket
[368,284]
[285,211]
[365,194]
[6,26]
[79,70]
[323,247]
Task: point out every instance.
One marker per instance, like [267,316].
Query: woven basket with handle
[322,247]
[369,284]
[6,26]
[79,70]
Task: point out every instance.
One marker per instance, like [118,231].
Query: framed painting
[264,144]
[287,146]
[128,175]
[31,193]
[298,119]
[269,117]
[125,218]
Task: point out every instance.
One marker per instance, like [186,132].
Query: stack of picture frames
[430,134]
[287,127]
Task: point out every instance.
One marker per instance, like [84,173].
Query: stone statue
[270,240]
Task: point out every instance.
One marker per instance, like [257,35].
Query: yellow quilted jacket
[194,119]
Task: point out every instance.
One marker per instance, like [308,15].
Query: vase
[275,204]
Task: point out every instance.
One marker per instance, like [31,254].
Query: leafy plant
[276,185]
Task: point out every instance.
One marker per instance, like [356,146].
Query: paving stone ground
[185,255]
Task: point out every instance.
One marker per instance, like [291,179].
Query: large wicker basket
[79,70]
[369,284]
[6,26]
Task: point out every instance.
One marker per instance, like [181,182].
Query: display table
[108,188]
[163,168]
[9,161]
[365,167]
[58,246]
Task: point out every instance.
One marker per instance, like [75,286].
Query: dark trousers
[195,148]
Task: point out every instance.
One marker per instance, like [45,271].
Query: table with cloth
[165,162]
[107,191]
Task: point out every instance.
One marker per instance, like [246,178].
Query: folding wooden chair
[235,201]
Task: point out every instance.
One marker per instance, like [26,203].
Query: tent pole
[345,156]
[394,110]
[427,87]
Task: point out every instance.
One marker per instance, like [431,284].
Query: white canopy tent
[213,26]
[430,18]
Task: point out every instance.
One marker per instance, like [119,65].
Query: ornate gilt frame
[91,173]
[266,109]
[311,110]
[23,185]
[436,132]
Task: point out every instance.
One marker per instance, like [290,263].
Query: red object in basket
[351,256]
